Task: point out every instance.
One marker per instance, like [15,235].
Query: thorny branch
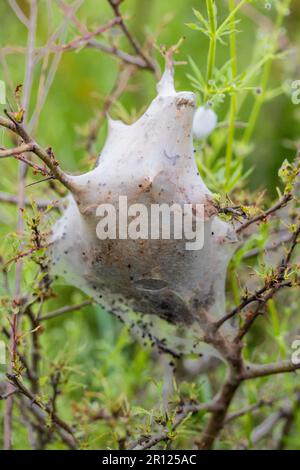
[139,60]
[83,40]
[41,204]
[271,287]
[46,156]
[115,5]
[44,407]
[264,215]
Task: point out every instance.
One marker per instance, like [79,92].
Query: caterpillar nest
[163,291]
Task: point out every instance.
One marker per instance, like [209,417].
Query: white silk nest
[162,291]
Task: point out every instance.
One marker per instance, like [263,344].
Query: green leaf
[192,26]
[200,17]
[43,380]
[197,28]
[198,75]
[138,410]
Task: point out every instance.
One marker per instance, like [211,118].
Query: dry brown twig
[22,389]
[139,60]
[150,64]
[45,155]
[40,204]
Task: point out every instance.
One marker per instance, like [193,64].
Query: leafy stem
[265,75]
[211,11]
[231,16]
[233,99]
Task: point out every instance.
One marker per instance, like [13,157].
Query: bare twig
[273,246]
[16,150]
[112,50]
[253,371]
[284,413]
[269,289]
[84,39]
[19,12]
[289,416]
[266,426]
[46,156]
[133,41]
[93,43]
[23,254]
[45,407]
[62,311]
[40,204]
[248,409]
[8,394]
[264,215]
[41,423]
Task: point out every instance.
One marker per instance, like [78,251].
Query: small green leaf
[43,380]
[195,26]
[200,17]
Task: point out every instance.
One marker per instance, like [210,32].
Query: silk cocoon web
[164,292]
